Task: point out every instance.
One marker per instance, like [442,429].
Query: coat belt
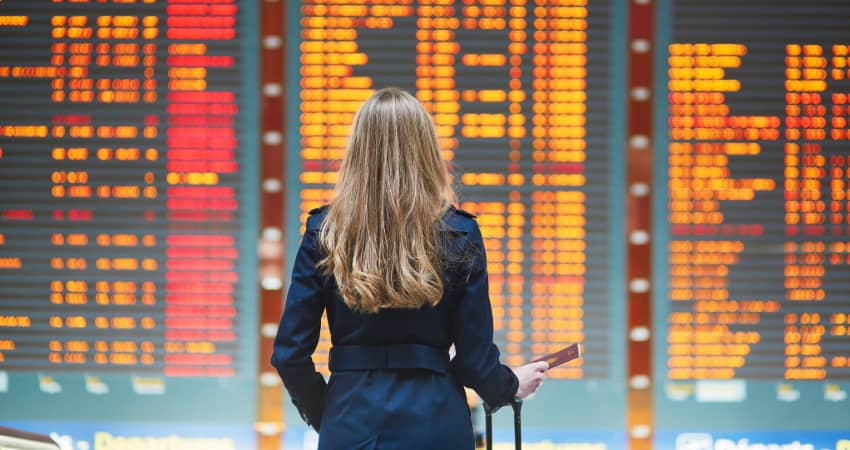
[398,356]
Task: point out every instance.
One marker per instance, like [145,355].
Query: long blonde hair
[381,230]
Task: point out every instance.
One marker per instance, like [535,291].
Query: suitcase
[516,405]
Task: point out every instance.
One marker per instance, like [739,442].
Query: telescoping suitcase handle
[516,404]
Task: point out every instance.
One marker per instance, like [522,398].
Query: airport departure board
[753,215]
[128,206]
[122,170]
[759,199]
[519,94]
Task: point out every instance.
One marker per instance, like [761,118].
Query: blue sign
[143,436]
[761,440]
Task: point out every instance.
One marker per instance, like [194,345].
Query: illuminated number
[123,322]
[76,346]
[77,285]
[76,299]
[792,350]
[148,323]
[792,338]
[812,338]
[78,154]
[807,318]
[75,322]
[123,346]
[78,177]
[123,358]
[815,362]
[56,322]
[200,347]
[792,361]
[75,358]
[124,286]
[790,318]
[174,347]
[76,263]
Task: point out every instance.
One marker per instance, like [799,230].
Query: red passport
[562,356]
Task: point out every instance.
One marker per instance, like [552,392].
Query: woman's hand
[530,377]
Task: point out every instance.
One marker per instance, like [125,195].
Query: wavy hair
[380,236]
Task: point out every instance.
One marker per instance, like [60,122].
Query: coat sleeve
[298,334]
[476,362]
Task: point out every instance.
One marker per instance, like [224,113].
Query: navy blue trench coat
[392,385]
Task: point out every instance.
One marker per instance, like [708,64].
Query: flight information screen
[518,95]
[522,101]
[752,258]
[125,169]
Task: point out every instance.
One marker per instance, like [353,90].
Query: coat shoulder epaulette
[318,210]
[465,213]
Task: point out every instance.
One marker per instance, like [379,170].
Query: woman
[402,275]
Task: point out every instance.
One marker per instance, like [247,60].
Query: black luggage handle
[516,404]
